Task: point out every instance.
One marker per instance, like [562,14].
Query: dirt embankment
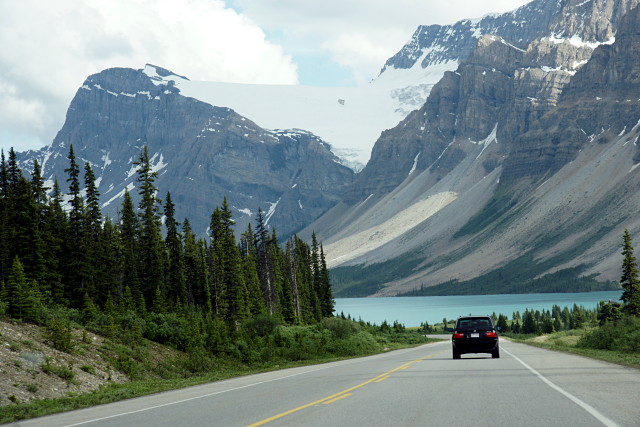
[31,369]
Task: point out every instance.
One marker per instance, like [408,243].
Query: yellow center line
[383,378]
[339,395]
[336,399]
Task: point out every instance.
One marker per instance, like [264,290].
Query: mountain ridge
[513,100]
[201,153]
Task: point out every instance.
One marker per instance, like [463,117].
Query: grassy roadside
[311,345]
[567,341]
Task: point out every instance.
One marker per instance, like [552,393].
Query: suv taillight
[458,335]
[491,334]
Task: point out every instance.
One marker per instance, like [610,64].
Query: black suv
[475,334]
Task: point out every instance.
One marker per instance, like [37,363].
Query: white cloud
[49,48]
[361,34]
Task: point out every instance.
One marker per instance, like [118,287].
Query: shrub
[197,361]
[166,328]
[340,328]
[89,369]
[262,325]
[58,331]
[622,335]
[358,344]
[131,328]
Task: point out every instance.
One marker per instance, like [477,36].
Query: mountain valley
[503,151]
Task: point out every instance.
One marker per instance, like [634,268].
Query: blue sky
[49,48]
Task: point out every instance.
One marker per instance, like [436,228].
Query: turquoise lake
[412,311]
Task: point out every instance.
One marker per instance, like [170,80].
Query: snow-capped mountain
[501,149]
[350,119]
[201,153]
[519,164]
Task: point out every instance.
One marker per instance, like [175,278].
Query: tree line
[57,249]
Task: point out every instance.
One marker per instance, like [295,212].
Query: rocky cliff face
[598,104]
[201,153]
[504,83]
[525,151]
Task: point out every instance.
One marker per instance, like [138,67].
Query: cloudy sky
[50,47]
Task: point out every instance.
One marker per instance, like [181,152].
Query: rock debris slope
[534,144]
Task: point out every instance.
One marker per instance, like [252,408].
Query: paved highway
[422,386]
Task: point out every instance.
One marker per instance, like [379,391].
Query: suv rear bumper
[480,345]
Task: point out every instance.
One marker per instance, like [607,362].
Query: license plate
[475,335]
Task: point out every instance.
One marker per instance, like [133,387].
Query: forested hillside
[60,251]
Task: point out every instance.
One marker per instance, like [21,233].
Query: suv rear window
[474,323]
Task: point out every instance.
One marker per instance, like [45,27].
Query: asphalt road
[423,386]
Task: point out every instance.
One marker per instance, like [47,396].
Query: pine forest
[59,251]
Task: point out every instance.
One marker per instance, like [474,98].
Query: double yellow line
[340,395]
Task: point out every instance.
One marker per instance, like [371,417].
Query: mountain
[520,164]
[201,153]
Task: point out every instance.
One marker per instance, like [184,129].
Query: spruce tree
[249,254]
[233,277]
[327,302]
[176,280]
[151,246]
[129,242]
[54,234]
[265,271]
[75,241]
[216,265]
[17,293]
[629,280]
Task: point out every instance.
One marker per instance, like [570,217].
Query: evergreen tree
[265,270]
[216,265]
[327,302]
[196,272]
[54,234]
[577,317]
[26,237]
[151,246]
[20,295]
[111,261]
[129,243]
[502,323]
[176,279]
[37,185]
[93,217]
[629,280]
[92,268]
[228,255]
[249,254]
[75,250]
[529,323]
[291,304]
[5,232]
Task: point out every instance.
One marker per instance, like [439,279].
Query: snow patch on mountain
[350,119]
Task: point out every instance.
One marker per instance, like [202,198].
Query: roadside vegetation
[610,332]
[258,345]
[161,307]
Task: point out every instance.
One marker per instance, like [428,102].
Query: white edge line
[347,362]
[590,409]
